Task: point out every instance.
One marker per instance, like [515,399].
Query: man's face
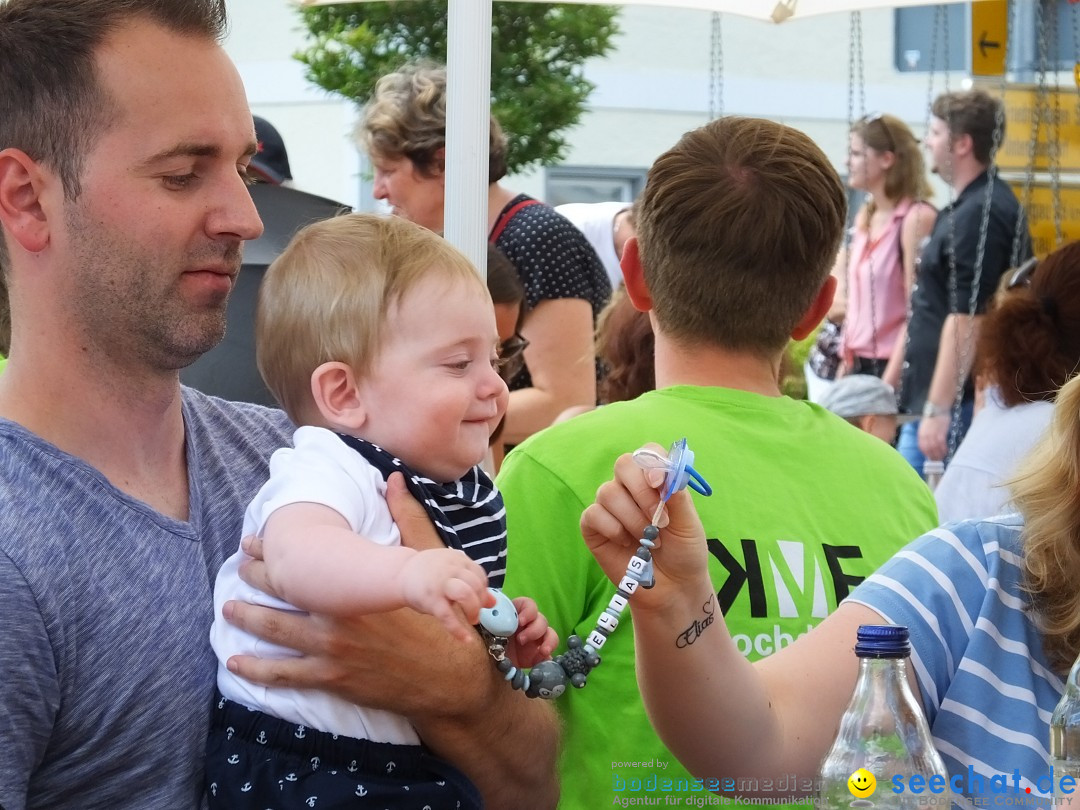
[938,142]
[152,246]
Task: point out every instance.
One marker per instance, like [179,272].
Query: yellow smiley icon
[862,784]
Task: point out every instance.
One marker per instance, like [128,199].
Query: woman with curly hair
[1029,346]
[404,132]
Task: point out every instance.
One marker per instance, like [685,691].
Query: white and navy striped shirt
[467,513]
[987,688]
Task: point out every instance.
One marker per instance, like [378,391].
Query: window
[915,37]
[920,49]
[591,184]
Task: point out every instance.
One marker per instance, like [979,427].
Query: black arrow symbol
[985,43]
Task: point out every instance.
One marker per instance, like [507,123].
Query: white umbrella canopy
[775,10]
[469,93]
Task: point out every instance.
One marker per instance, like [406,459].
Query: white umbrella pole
[468,68]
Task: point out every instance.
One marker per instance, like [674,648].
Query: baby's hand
[448,585]
[534,641]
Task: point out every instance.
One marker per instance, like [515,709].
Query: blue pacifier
[678,465]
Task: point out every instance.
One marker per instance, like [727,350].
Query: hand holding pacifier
[680,473]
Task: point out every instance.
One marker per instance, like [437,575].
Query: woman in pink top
[878,267]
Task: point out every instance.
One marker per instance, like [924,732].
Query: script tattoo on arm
[694,631]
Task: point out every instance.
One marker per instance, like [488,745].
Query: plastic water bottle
[1065,732]
[932,472]
[883,734]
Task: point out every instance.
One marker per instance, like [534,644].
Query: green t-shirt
[805,506]
[3,362]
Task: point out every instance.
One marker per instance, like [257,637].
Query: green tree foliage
[538,51]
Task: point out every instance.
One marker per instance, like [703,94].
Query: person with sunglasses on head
[972,244]
[877,269]
[1028,348]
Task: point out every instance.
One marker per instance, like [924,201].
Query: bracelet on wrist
[930,410]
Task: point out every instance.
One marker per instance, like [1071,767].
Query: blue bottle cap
[882,641]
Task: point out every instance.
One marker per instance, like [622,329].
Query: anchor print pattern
[269,763]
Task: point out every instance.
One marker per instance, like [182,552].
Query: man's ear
[816,312]
[634,276]
[962,144]
[22,214]
[337,396]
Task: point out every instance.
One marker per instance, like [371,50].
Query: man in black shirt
[958,271]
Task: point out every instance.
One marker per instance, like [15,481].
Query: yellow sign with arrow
[989,36]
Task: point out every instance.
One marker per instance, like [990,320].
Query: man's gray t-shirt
[105,607]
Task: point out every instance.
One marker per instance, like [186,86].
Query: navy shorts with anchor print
[257,761]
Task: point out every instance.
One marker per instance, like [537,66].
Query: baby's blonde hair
[326,297]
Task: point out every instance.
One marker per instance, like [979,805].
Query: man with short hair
[738,227]
[971,245]
[124,144]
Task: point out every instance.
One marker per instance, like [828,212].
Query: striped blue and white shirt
[987,689]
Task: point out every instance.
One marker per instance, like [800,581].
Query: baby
[378,338]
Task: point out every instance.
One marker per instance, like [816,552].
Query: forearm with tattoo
[698,626]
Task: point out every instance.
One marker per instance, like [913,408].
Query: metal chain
[965,344]
[716,68]
[939,21]
[945,44]
[860,77]
[950,250]
[854,43]
[1054,131]
[857,26]
[1040,111]
[851,75]
[938,12]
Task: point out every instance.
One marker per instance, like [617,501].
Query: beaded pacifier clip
[548,679]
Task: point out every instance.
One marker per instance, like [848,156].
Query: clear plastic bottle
[883,731]
[1065,731]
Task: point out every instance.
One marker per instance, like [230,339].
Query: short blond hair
[738,227]
[326,297]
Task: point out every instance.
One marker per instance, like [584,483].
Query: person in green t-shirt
[738,226]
